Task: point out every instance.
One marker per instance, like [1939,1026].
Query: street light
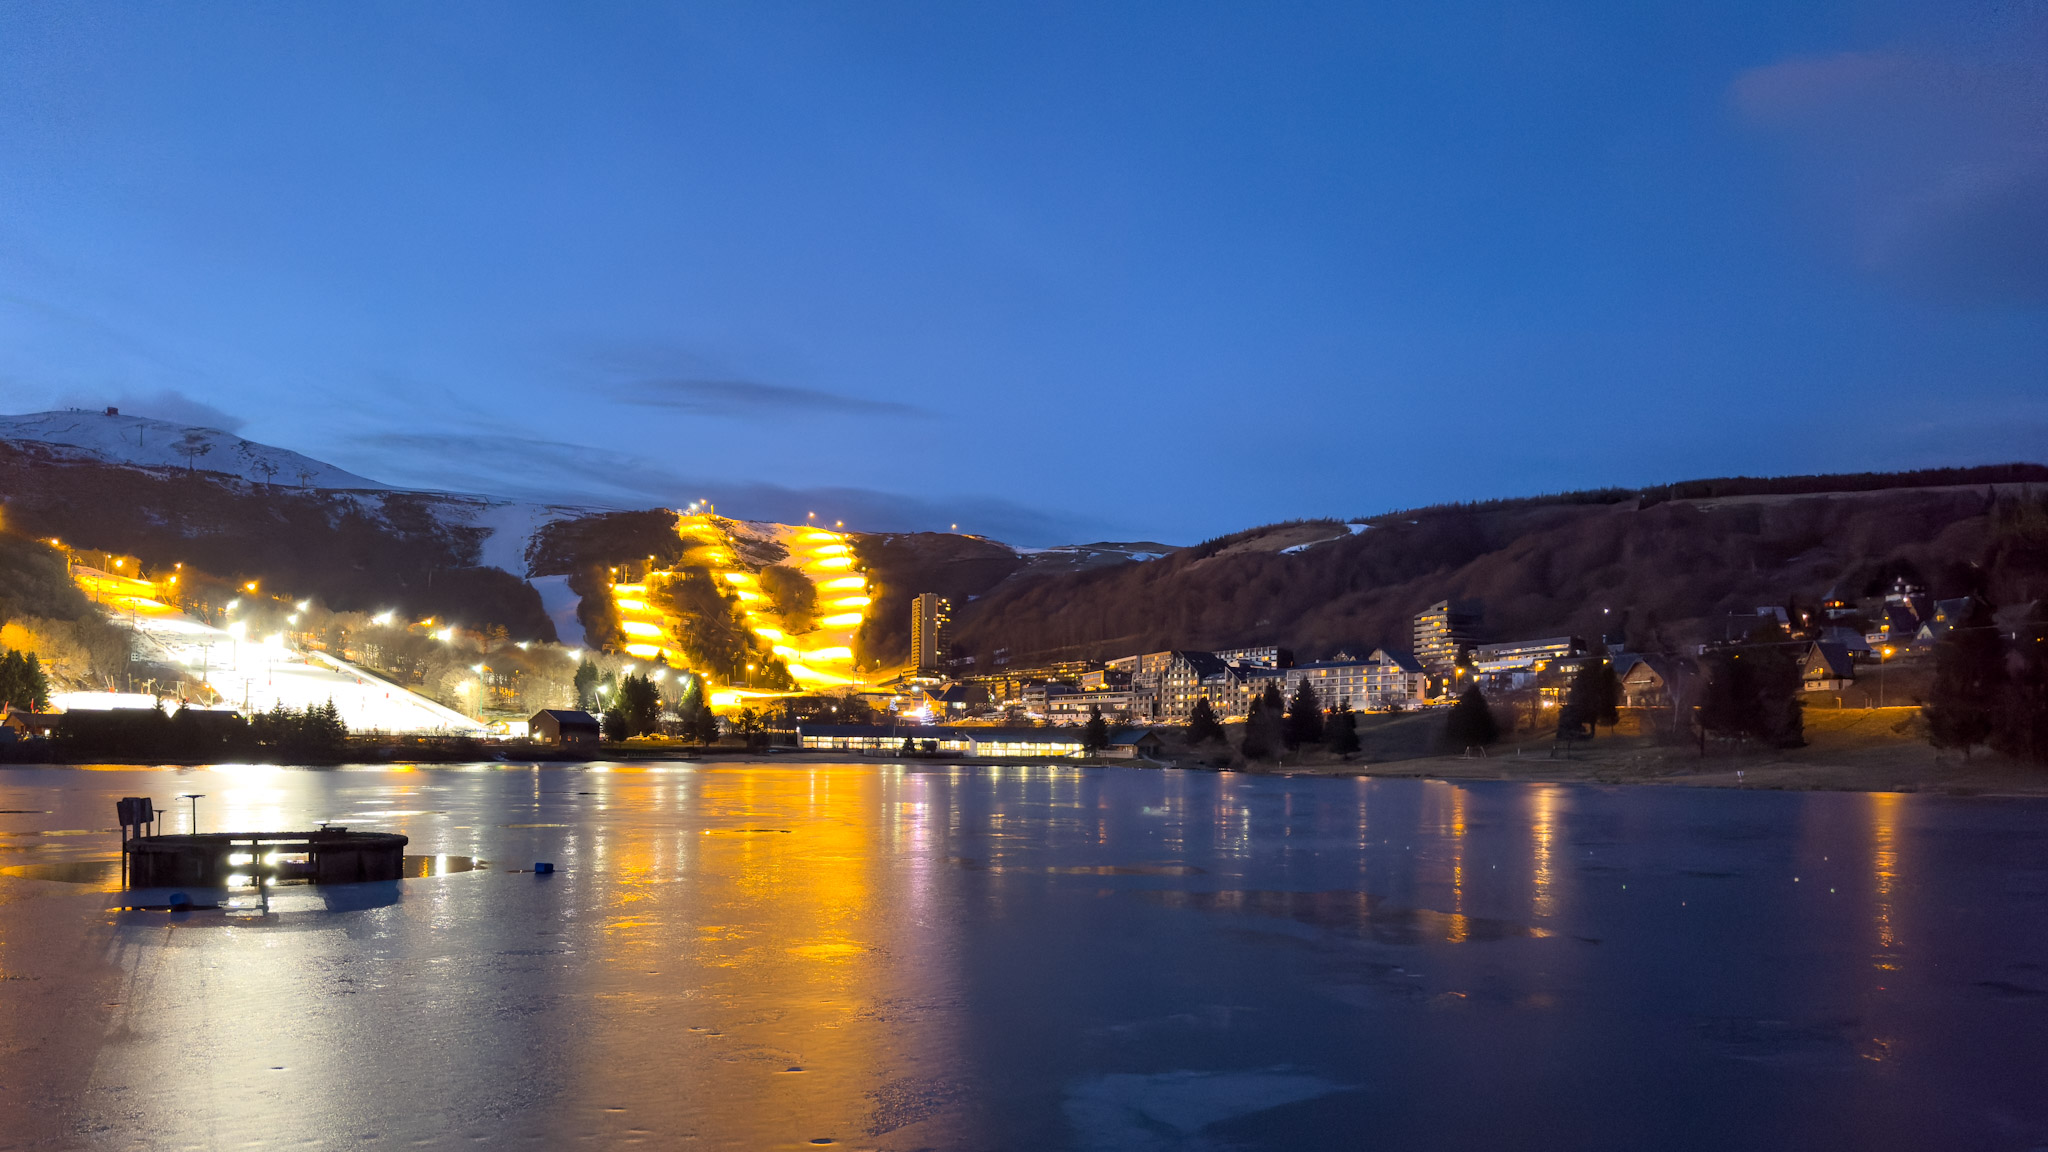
[194,798]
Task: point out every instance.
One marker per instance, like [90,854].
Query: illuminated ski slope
[254,674]
[818,651]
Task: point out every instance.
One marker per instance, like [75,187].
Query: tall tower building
[1444,631]
[928,614]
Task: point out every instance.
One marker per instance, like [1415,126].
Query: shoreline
[1900,768]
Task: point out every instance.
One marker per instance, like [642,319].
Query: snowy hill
[146,443]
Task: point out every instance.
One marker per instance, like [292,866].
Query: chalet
[1850,639]
[567,727]
[1827,668]
[1647,682]
[1947,614]
[1897,626]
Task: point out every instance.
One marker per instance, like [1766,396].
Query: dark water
[1036,958]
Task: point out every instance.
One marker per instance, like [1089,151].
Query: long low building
[969,740]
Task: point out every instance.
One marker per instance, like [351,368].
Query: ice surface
[759,956]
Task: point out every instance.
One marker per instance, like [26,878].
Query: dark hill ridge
[1667,557]
[1661,569]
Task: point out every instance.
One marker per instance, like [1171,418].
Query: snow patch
[560,604]
[146,443]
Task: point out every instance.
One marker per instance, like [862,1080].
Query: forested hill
[1656,566]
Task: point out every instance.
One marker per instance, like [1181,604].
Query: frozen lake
[782,956]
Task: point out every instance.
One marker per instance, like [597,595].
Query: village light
[251,585]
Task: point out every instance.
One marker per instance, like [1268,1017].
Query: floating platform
[223,859]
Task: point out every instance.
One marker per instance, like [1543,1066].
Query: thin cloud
[1933,162]
[558,472]
[748,400]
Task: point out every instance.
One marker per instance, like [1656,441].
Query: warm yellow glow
[833,562]
[829,654]
[644,651]
[848,620]
[820,537]
[852,602]
[846,582]
[635,589]
[786,652]
[640,628]
[747,597]
[737,577]
[830,550]
[767,633]
[632,605]
[813,676]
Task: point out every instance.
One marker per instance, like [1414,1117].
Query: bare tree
[267,467]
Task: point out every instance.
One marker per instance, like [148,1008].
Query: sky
[1049,272]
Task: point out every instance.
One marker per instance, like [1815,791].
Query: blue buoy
[543,869]
[180,902]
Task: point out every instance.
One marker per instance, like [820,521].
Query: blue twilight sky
[1053,272]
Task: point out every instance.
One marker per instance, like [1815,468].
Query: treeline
[315,733]
[1276,725]
[634,705]
[22,682]
[1991,688]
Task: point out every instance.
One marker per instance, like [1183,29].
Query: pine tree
[1341,733]
[1094,734]
[1304,717]
[1752,692]
[1470,723]
[640,700]
[2021,723]
[617,727]
[1203,726]
[706,727]
[1265,729]
[1969,679]
[586,686]
[1272,700]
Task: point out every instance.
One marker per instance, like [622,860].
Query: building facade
[928,618]
[1444,631]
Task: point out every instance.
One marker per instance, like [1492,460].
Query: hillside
[1660,568]
[98,437]
[1661,561]
[367,550]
